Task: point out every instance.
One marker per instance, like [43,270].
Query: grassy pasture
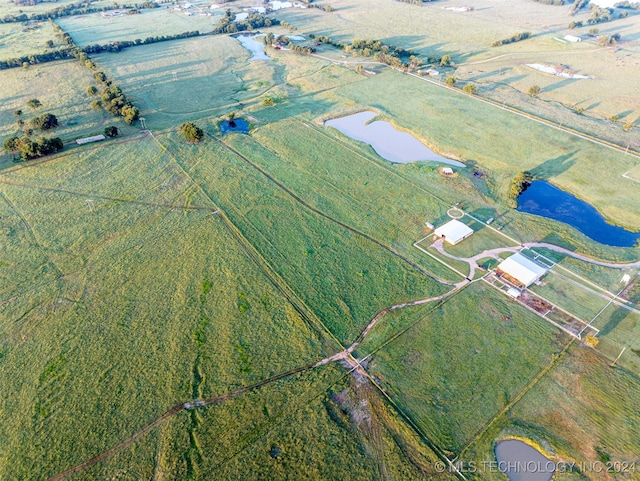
[582,411]
[94,28]
[343,277]
[461,359]
[476,132]
[620,328]
[79,374]
[61,87]
[19,40]
[500,72]
[212,73]
[483,238]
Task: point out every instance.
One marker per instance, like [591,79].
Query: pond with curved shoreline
[544,199]
[520,462]
[388,142]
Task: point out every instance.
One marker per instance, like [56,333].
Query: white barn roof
[522,269]
[454,231]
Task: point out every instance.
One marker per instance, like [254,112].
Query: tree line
[516,37]
[72,51]
[70,9]
[227,23]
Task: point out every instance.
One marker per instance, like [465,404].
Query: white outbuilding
[572,38]
[453,232]
[521,270]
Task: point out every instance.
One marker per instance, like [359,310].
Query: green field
[19,40]
[96,28]
[460,359]
[145,272]
[61,88]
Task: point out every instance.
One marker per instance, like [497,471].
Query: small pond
[236,125]
[543,199]
[521,462]
[254,46]
[390,144]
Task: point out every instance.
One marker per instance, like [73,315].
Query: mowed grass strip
[471,355]
[342,276]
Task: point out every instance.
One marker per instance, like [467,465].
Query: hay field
[61,88]
[18,40]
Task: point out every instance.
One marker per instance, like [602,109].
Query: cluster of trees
[606,40]
[628,5]
[191,132]
[519,184]
[599,15]
[115,102]
[577,5]
[516,37]
[301,48]
[32,149]
[573,25]
[44,122]
[227,23]
[328,8]
[70,9]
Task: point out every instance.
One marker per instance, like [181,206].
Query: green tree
[470,89]
[445,61]
[96,104]
[628,126]
[130,114]
[268,102]
[534,90]
[91,90]
[17,112]
[191,132]
[44,122]
[49,44]
[519,183]
[11,144]
[34,103]
[451,81]
[111,131]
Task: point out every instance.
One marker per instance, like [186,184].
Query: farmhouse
[453,232]
[521,270]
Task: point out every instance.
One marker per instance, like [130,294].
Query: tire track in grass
[169,414]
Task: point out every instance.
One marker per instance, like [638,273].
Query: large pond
[521,462]
[254,46]
[543,199]
[390,143]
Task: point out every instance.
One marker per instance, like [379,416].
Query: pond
[236,125]
[521,462]
[543,199]
[390,144]
[254,46]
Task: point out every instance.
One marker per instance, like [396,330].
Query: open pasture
[344,277]
[98,28]
[477,132]
[106,298]
[19,39]
[61,88]
[463,358]
[582,411]
[212,74]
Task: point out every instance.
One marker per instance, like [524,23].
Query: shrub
[534,90]
[191,132]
